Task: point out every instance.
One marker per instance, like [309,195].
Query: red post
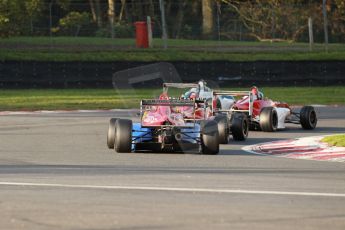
[142,40]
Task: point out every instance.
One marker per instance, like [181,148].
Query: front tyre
[123,136]
[268,119]
[308,117]
[209,138]
[111,133]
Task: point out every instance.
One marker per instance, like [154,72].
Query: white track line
[171,189]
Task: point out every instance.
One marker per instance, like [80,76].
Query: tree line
[222,19]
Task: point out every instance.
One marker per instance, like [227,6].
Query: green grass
[106,49]
[53,99]
[335,140]
[170,55]
[307,95]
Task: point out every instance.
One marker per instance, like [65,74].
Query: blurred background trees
[202,19]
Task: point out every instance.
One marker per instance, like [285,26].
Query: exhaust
[178,136]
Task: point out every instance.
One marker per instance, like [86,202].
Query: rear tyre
[209,138]
[123,136]
[308,117]
[223,128]
[239,127]
[268,119]
[111,133]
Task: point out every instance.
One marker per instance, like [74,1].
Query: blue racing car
[166,125]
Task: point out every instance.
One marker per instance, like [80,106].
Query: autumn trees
[229,19]
[287,19]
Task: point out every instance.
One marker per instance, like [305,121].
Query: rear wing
[249,94]
[168,102]
[146,104]
[179,86]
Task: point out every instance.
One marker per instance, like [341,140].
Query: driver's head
[255,90]
[192,96]
[201,83]
[163,96]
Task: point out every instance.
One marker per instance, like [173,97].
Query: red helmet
[164,96]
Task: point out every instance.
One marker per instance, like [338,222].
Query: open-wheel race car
[269,116]
[164,127]
[200,90]
[216,109]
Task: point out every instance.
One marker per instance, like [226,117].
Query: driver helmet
[255,90]
[192,96]
[163,96]
[202,83]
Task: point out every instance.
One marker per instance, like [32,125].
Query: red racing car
[269,116]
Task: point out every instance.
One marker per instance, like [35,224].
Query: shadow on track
[317,131]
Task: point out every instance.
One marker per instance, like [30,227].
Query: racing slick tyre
[239,127]
[209,138]
[111,133]
[268,119]
[308,117]
[223,128]
[123,136]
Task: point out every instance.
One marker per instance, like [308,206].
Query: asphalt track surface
[56,173]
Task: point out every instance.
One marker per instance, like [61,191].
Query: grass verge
[55,99]
[170,55]
[106,49]
[335,140]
